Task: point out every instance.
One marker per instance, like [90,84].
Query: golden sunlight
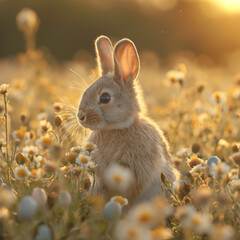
[232,6]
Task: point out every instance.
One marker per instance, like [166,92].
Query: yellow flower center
[120,200]
[157,233]
[89,145]
[132,233]
[35,172]
[31,152]
[172,79]
[21,132]
[22,173]
[117,178]
[42,161]
[84,160]
[66,168]
[47,140]
[218,96]
[196,220]
[145,217]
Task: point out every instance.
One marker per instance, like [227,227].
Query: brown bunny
[113,109]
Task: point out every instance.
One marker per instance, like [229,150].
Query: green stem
[6,123]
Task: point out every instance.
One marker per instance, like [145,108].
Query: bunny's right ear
[104,52]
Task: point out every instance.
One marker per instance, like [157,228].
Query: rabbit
[113,109]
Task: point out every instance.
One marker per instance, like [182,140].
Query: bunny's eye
[105,98]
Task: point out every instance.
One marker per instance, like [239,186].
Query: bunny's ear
[104,52]
[126,60]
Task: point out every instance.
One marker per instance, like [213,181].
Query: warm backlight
[229,5]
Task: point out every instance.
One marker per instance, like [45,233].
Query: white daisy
[21,172]
[118,178]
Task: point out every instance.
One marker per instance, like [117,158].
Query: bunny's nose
[81,115]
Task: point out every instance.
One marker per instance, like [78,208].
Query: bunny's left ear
[104,49]
[126,60]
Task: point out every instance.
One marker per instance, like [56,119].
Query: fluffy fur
[121,131]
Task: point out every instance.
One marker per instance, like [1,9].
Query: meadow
[46,170]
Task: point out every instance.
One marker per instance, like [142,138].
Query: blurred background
[209,28]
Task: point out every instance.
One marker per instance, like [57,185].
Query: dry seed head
[71,157]
[58,107]
[196,147]
[32,135]
[4,89]
[236,158]
[183,190]
[235,147]
[20,158]
[23,117]
[57,121]
[194,161]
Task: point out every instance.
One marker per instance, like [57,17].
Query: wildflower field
[46,170]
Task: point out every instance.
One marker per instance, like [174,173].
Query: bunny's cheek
[106,107]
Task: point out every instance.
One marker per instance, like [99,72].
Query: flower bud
[57,107]
[113,211]
[40,196]
[64,199]
[213,160]
[27,20]
[20,159]
[27,208]
[43,232]
[57,121]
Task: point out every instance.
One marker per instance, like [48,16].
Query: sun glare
[232,6]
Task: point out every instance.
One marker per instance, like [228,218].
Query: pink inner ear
[129,63]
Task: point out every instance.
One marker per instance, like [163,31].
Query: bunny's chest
[129,148]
